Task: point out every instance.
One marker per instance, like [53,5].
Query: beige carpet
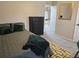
[59,52]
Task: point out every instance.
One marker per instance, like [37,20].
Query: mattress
[11,44]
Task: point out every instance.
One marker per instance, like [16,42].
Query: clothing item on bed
[37,44]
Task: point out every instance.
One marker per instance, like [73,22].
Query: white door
[52,22]
[50,26]
[76,33]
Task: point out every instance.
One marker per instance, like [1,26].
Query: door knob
[77,24]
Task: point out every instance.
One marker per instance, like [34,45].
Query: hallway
[50,23]
[49,34]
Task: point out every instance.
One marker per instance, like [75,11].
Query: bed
[11,43]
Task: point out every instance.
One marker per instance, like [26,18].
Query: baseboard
[65,38]
[62,37]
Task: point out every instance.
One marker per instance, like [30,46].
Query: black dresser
[36,25]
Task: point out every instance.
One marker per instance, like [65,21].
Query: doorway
[50,20]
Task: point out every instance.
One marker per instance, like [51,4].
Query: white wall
[20,11]
[66,28]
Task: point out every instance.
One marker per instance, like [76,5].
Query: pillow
[5,29]
[18,27]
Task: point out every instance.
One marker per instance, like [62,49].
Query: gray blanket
[11,44]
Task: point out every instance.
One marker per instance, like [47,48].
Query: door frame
[75,30]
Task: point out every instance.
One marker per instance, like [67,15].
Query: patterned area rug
[59,52]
